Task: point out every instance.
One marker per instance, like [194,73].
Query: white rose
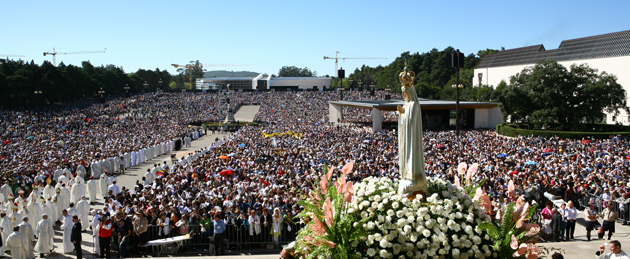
[364,214]
[377,237]
[413,237]
[371,252]
[476,240]
[383,243]
[455,253]
[381,219]
[396,248]
[376,198]
[370,225]
[381,207]
[399,214]
[405,201]
[426,233]
[395,205]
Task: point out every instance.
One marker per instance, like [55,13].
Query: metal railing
[236,236]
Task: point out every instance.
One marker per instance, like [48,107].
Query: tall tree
[293,71]
[548,94]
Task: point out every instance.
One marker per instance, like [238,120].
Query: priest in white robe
[18,244]
[91,190]
[6,226]
[27,231]
[6,190]
[95,228]
[65,193]
[49,192]
[103,185]
[72,211]
[83,209]
[45,233]
[77,191]
[66,227]
[35,209]
[15,217]
[81,172]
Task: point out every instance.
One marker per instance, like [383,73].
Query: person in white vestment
[103,185]
[72,211]
[91,190]
[83,208]
[15,217]
[27,231]
[6,226]
[81,172]
[18,244]
[49,192]
[45,233]
[66,227]
[65,193]
[78,190]
[6,189]
[95,228]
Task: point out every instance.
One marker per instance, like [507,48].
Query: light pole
[372,88]
[360,85]
[145,85]
[457,60]
[127,90]
[101,92]
[37,93]
[160,82]
[350,84]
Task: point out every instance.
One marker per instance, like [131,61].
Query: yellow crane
[337,58]
[55,53]
[195,65]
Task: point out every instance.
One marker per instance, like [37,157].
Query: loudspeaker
[341,73]
[457,60]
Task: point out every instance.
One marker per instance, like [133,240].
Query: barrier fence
[236,236]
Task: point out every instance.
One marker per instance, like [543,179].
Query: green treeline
[19,80]
[434,75]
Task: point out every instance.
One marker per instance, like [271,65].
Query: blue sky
[272,34]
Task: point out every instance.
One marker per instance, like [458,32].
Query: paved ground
[246,113]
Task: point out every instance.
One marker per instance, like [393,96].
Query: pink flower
[318,228]
[522,249]
[328,212]
[533,251]
[349,192]
[514,243]
[461,168]
[532,229]
[520,214]
[511,190]
[324,183]
[482,198]
[471,171]
[457,181]
[347,168]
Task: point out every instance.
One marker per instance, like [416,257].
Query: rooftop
[425,104]
[600,46]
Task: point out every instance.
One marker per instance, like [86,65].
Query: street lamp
[160,82]
[360,85]
[101,92]
[457,87]
[145,85]
[350,84]
[372,88]
[127,90]
[37,93]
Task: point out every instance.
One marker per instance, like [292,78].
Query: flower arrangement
[370,220]
[515,238]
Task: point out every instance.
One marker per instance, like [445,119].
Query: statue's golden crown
[406,77]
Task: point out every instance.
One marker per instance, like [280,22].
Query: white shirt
[570,213]
[610,255]
[114,188]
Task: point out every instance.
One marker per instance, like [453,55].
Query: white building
[607,52]
[265,82]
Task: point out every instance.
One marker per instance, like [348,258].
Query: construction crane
[55,53]
[337,58]
[194,65]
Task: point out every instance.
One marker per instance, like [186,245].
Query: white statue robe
[45,234]
[77,191]
[66,227]
[95,229]
[18,245]
[7,229]
[27,231]
[410,147]
[103,184]
[83,208]
[6,190]
[91,190]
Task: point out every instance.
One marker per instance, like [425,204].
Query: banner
[291,133]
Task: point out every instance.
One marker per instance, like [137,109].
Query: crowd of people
[245,187]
